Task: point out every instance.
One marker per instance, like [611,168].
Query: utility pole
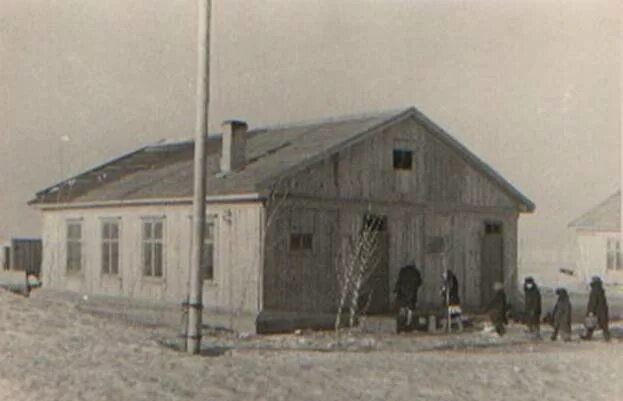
[193,340]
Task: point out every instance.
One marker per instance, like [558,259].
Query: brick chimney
[234,143]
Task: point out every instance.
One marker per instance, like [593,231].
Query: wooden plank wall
[443,196]
[301,280]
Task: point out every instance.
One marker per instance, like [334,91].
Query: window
[493,228]
[153,247]
[403,159]
[614,256]
[302,230]
[74,247]
[300,242]
[110,247]
[207,258]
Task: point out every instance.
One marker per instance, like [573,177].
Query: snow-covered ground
[51,351]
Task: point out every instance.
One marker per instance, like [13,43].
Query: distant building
[282,204]
[598,241]
[21,254]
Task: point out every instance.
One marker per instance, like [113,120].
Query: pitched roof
[165,170]
[606,216]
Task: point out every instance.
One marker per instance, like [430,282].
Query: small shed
[22,254]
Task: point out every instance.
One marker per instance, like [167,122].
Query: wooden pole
[193,341]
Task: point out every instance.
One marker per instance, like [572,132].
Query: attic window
[403,159]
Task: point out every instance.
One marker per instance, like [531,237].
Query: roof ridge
[331,119]
[576,222]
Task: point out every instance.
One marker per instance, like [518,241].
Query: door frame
[490,228]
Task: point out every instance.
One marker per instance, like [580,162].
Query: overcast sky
[532,87]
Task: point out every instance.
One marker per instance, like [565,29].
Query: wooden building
[283,203]
[22,254]
[598,242]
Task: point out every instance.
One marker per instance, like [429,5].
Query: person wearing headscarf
[497,309]
[451,300]
[532,312]
[597,307]
[561,316]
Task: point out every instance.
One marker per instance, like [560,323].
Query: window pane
[295,242]
[105,258]
[147,262]
[105,230]
[147,230]
[158,260]
[114,230]
[209,231]
[114,256]
[158,230]
[403,159]
[73,256]
[74,231]
[307,241]
[207,262]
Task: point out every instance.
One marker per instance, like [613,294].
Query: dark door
[492,260]
[375,290]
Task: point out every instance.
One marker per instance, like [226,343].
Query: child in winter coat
[532,313]
[561,316]
[597,307]
[497,309]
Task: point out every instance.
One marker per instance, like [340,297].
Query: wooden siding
[308,281]
[237,254]
[365,171]
[443,198]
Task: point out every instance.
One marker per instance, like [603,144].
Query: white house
[598,241]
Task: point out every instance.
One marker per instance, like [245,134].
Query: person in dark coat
[450,294]
[497,309]
[561,316]
[532,312]
[450,289]
[598,307]
[407,285]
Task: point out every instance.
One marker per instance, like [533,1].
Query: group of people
[560,316]
[409,281]
[406,290]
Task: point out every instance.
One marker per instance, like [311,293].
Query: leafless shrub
[354,268]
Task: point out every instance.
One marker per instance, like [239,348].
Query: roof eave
[234,198]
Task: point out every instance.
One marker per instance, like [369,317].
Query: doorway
[492,260]
[375,292]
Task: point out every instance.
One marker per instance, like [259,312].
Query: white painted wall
[237,254]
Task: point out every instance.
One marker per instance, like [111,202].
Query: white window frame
[107,245]
[211,219]
[614,255]
[151,270]
[79,241]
